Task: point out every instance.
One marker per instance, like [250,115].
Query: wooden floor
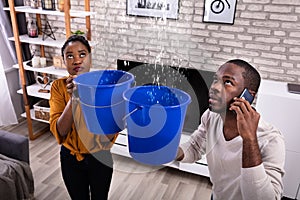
[131,181]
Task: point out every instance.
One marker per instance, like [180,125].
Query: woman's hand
[70,84]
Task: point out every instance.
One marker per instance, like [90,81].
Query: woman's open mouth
[78,69]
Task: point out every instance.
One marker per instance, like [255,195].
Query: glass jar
[32,29]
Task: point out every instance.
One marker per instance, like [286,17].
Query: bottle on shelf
[32,28]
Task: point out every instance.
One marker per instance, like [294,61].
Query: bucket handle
[133,111]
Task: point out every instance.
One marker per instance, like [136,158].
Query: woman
[86,161]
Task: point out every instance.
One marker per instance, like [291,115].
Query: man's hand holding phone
[246,115]
[247,96]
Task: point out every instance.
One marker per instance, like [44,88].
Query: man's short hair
[251,76]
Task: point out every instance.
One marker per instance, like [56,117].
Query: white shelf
[73,13]
[39,41]
[48,70]
[32,90]
[32,114]
[59,42]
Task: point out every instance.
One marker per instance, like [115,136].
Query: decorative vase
[61,5]
[32,29]
[34,4]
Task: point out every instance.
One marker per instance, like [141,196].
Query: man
[245,155]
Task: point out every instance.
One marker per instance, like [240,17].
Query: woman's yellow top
[79,140]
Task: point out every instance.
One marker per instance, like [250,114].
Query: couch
[16,180]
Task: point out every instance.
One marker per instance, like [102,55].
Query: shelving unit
[32,90]
[73,13]
[33,116]
[48,70]
[47,42]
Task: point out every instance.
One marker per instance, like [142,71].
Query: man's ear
[253,93]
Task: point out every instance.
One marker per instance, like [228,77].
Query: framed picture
[219,11]
[153,8]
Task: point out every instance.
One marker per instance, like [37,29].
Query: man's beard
[222,109]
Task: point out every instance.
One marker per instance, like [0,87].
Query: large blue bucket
[100,94]
[155,117]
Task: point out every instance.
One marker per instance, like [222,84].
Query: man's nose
[216,86]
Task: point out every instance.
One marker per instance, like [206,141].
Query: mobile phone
[246,94]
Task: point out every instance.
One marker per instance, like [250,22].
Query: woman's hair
[76,38]
[251,75]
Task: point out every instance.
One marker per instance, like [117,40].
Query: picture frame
[219,11]
[153,8]
[48,4]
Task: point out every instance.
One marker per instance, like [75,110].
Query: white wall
[265,32]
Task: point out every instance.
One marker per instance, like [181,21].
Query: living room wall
[265,33]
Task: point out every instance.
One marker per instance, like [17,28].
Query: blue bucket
[103,87]
[155,117]
[100,94]
[104,119]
